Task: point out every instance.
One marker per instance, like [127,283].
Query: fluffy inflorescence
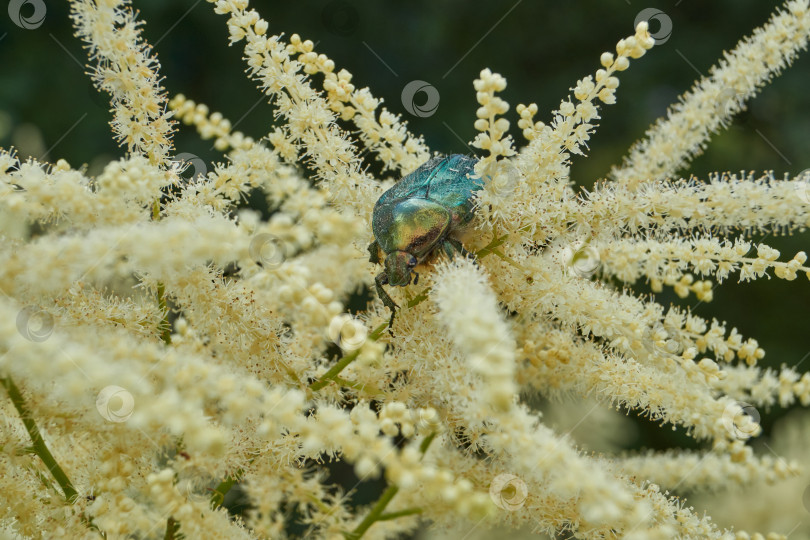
[149,382]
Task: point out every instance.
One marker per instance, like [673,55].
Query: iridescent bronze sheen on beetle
[417,215]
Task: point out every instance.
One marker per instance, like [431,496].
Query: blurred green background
[49,108]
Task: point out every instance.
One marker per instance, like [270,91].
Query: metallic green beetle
[417,215]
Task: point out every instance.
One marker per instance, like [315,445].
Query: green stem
[164,326]
[335,370]
[401,513]
[508,259]
[349,384]
[426,442]
[490,248]
[377,332]
[319,504]
[38,443]
[374,515]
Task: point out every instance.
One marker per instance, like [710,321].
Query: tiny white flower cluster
[492,106]
[470,312]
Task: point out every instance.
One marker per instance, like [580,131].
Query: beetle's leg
[374,252]
[453,247]
[380,280]
[449,250]
[415,278]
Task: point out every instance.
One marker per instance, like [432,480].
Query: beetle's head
[398,266]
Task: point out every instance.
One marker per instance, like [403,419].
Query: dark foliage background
[49,109]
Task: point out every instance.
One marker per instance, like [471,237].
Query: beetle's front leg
[380,280]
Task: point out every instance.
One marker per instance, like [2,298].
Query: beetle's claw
[391,323]
[380,280]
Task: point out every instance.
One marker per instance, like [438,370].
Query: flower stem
[493,246]
[164,326]
[374,515]
[490,248]
[401,513]
[357,386]
[38,443]
[335,370]
[426,442]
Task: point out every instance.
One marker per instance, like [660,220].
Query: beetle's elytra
[418,214]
